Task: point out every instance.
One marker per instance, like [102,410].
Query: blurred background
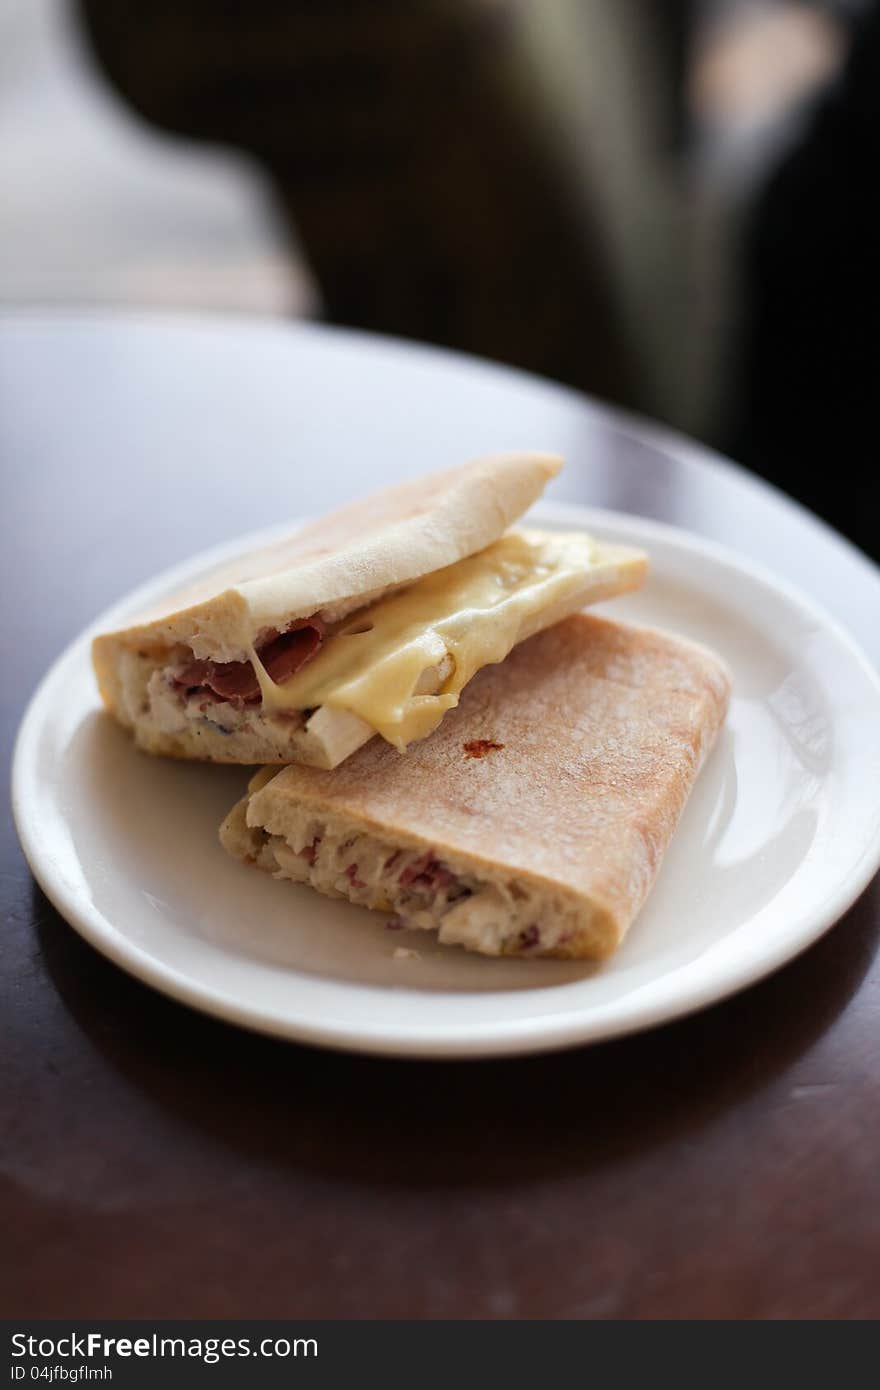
[670,204]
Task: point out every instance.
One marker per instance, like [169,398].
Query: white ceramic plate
[780,836]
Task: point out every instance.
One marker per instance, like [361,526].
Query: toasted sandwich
[369,621]
[534,820]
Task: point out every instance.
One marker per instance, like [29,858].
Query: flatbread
[536,815]
[163,724]
[185,678]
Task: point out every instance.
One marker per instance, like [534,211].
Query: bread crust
[341,561]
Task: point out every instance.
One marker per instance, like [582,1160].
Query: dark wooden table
[154,1162]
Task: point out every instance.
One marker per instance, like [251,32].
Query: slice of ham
[236,681]
[233,680]
[287,654]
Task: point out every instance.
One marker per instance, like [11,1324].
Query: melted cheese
[474,611]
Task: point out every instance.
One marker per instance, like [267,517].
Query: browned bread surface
[591,735]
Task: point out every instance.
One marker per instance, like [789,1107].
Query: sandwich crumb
[402,953]
[479,747]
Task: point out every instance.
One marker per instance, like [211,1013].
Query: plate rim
[495,1038]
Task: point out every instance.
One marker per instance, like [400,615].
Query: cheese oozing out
[473,612]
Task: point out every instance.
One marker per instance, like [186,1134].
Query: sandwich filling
[398,665]
[421,889]
[281,656]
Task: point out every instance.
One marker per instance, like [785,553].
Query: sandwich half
[369,621]
[534,820]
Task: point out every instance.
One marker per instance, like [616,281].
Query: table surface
[157,1163]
